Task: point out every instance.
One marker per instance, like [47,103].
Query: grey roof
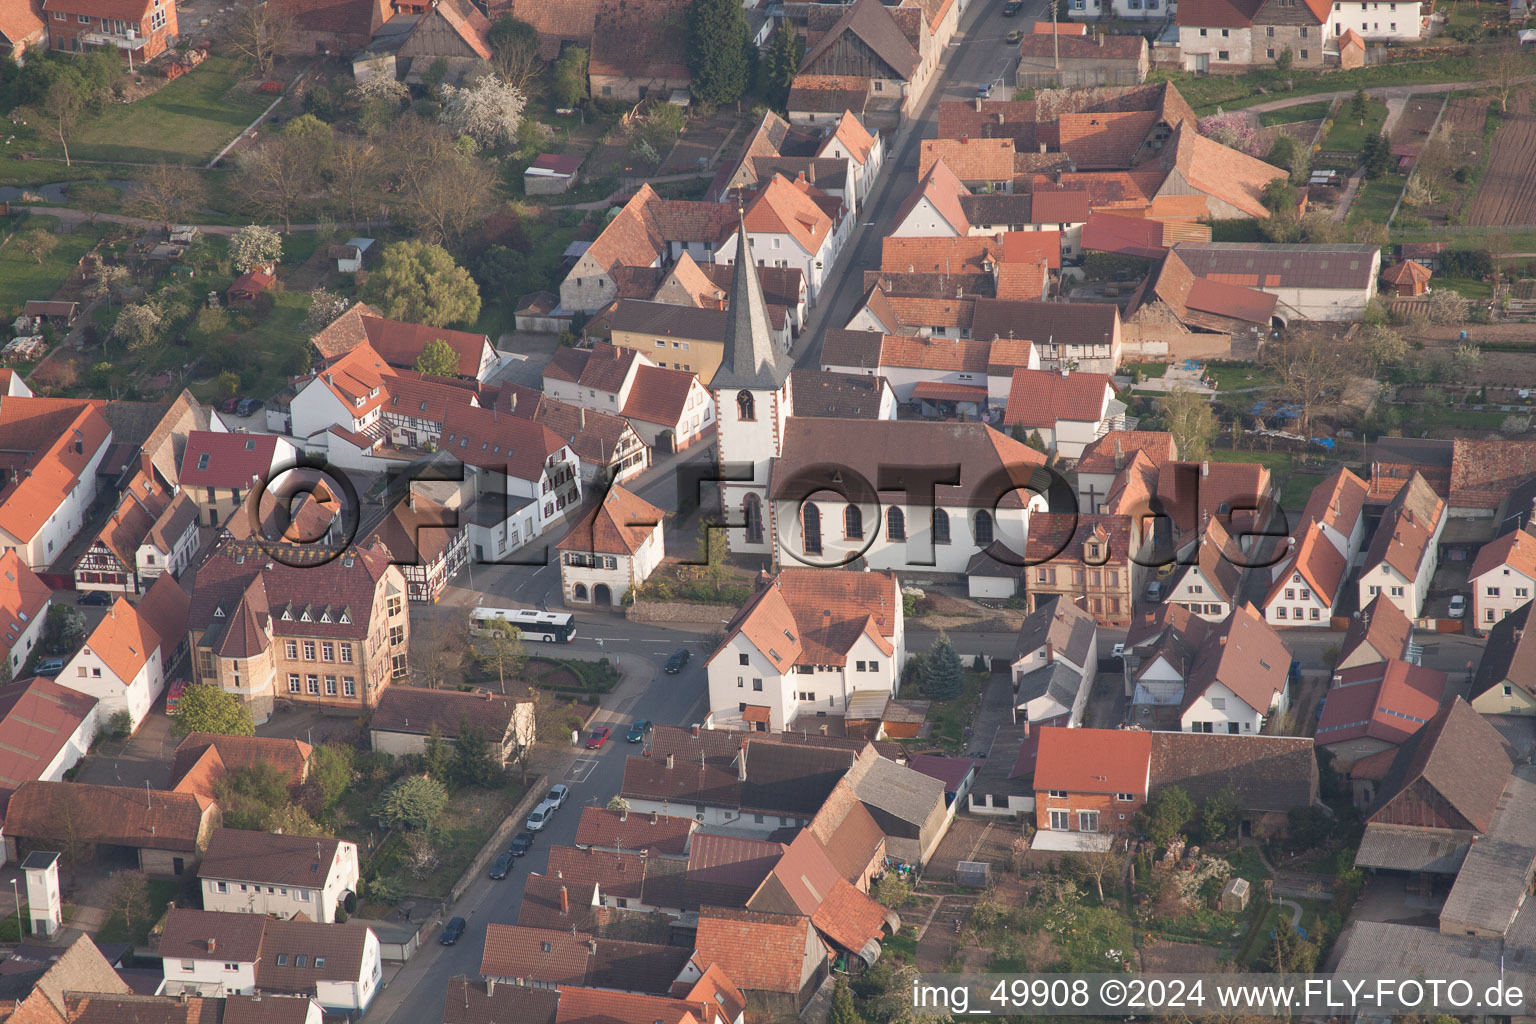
[843,347]
[666,319]
[1499,663]
[997,208]
[876,27]
[1374,949]
[897,790]
[1497,872]
[749,359]
[843,396]
[1438,851]
[1058,679]
[826,173]
[1068,628]
[1417,451]
[997,561]
[1064,323]
[1284,266]
[996,775]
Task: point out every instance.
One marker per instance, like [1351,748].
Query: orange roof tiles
[855,138]
[1407,528]
[1406,272]
[782,209]
[400,343]
[48,443]
[1045,28]
[972,160]
[23,597]
[959,255]
[128,636]
[1094,760]
[760,952]
[20,21]
[38,717]
[1515,550]
[814,617]
[643,40]
[1100,456]
[619,525]
[1023,281]
[943,191]
[1388,700]
[1104,140]
[1043,398]
[1219,171]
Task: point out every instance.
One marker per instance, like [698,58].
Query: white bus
[534,625]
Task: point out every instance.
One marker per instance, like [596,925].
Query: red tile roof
[1484,472]
[603,367]
[1389,701]
[38,718]
[989,119]
[1219,13]
[1406,272]
[23,597]
[491,440]
[1094,760]
[1128,236]
[1515,550]
[1042,398]
[126,10]
[660,395]
[20,21]
[1100,456]
[235,753]
[760,952]
[781,208]
[556,21]
[402,343]
[1381,626]
[1032,246]
[597,1006]
[1407,529]
[127,637]
[116,815]
[48,443]
[1320,565]
[972,160]
[619,525]
[1245,655]
[641,40]
[1106,141]
[227,460]
[661,834]
[789,621]
[467,23]
[855,138]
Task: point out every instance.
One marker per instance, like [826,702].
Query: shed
[1234,896]
[551,173]
[349,256]
[540,313]
[1409,278]
[249,285]
[52,312]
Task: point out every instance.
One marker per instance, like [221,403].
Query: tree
[249,795]
[506,649]
[260,31]
[292,820]
[712,551]
[138,327]
[254,246]
[421,854]
[514,51]
[1286,152]
[1375,156]
[1357,107]
[1106,861]
[1382,345]
[92,197]
[414,803]
[1190,420]
[1283,59]
[275,176]
[208,708]
[1280,196]
[324,307]
[331,768]
[227,383]
[101,286]
[37,244]
[119,726]
[1445,307]
[435,755]
[488,112]
[892,891]
[942,677]
[1312,372]
[473,764]
[63,105]
[65,629]
[443,193]
[659,128]
[1508,67]
[780,65]
[1220,816]
[420,283]
[168,193]
[617,803]
[130,898]
[1167,813]
[570,77]
[1466,361]
[438,358]
[718,39]
[354,172]
[842,1010]
[1235,131]
[437,651]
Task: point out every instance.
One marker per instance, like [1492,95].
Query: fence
[1034,77]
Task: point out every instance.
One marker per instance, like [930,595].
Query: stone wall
[679,611]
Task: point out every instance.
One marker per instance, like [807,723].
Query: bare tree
[1105,862]
[1506,67]
[445,193]
[63,104]
[169,193]
[275,177]
[260,32]
[130,898]
[1312,373]
[437,651]
[421,854]
[355,171]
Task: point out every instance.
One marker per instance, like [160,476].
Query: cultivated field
[1508,193]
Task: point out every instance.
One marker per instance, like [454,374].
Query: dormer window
[218,612]
[202,461]
[287,615]
[304,616]
[325,616]
[346,618]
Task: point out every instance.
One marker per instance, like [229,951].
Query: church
[907,495]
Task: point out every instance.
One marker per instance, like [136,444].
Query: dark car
[95,597]
[677,661]
[597,737]
[452,931]
[1012,7]
[638,731]
[249,406]
[521,844]
[49,668]
[501,867]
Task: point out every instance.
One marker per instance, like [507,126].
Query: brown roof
[842,347]
[1245,655]
[541,906]
[44,998]
[115,815]
[352,21]
[1101,455]
[1381,626]
[253,1009]
[1385,700]
[238,855]
[760,952]
[38,717]
[1515,550]
[556,957]
[1265,773]
[466,21]
[989,119]
[510,444]
[1407,529]
[1194,492]
[662,834]
[128,636]
[409,709]
[594,435]
[1263,265]
[236,753]
[172,523]
[728,869]
[471,1001]
[622,875]
[340,947]
[1068,323]
[20,21]
[1219,13]
[1042,398]
[805,880]
[972,160]
[143,1009]
[1457,758]
[595,1006]
[825,393]
[557,21]
[659,395]
[1406,272]
[1059,537]
[1509,657]
[417,531]
[1484,472]
[618,525]
[944,191]
[1101,140]
[640,40]
[848,834]
[603,367]
[1077,47]
[873,23]
[402,343]
[828,94]
[965,254]
[205,934]
[827,611]
[1128,236]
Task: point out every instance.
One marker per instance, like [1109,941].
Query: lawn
[1348,135]
[950,718]
[1146,369]
[23,278]
[187,121]
[1231,376]
[1245,230]
[1466,287]
[276,339]
[115,929]
[1374,202]
[1295,486]
[1231,92]
[1290,115]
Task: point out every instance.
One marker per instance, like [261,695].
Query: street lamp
[17,896]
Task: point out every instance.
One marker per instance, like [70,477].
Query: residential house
[211,953]
[1505,681]
[427,541]
[934,209]
[169,831]
[22,28]
[1268,776]
[401,344]
[683,338]
[1083,61]
[783,288]
[909,806]
[612,831]
[1089,781]
[1084,560]
[1082,336]
[405,716]
[954,374]
[1502,577]
[1103,460]
[50,482]
[639,50]
[265,629]
[1377,632]
[1005,785]
[776,958]
[331,26]
[805,881]
[1172,314]
[1209,574]
[548,958]
[828,395]
[850,140]
[45,729]
[614,547]
[981,165]
[1404,551]
[1308,584]
[807,642]
[1238,679]
[260,873]
[1484,473]
[1309,282]
[110,564]
[24,599]
[823,99]
[128,658]
[667,406]
[203,758]
[1068,410]
[1061,210]
[453,31]
[1055,661]
[559,23]
[171,542]
[868,42]
[1374,708]
[787,227]
[1131,10]
[219,470]
[850,836]
[42,993]
[141,29]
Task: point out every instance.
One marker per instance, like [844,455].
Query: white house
[49,483]
[1130,10]
[787,228]
[1309,282]
[1238,678]
[804,645]
[1211,574]
[406,716]
[1503,577]
[852,140]
[1055,663]
[246,872]
[612,548]
[124,661]
[23,607]
[967,367]
[1377,21]
[658,401]
[171,541]
[47,727]
[935,208]
[1103,461]
[1070,410]
[1306,586]
[218,954]
[1401,560]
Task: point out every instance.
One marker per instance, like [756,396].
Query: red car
[597,737]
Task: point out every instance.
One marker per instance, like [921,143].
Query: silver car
[539,818]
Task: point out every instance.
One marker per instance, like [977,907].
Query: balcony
[129,40]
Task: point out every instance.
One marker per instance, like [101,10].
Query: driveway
[144,758]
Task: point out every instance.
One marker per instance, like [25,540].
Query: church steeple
[750,358]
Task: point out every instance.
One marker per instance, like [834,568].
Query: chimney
[329,379]
[565,900]
[183,997]
[1042,147]
[410,500]
[1205,469]
[1119,456]
[1101,38]
[490,987]
[695,731]
[1066,371]
[999,117]
[810,174]
[513,402]
[978,104]
[669,761]
[592,947]
[741,765]
[655,817]
[1050,652]
[213,944]
[583,418]
[1026,728]
[624,813]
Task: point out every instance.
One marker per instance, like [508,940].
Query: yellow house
[1505,683]
[677,337]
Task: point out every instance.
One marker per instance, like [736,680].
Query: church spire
[750,357]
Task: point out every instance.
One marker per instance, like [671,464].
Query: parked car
[539,818]
[1012,7]
[556,797]
[1118,652]
[597,737]
[501,867]
[1154,591]
[95,598]
[984,90]
[676,662]
[1458,606]
[49,667]
[639,731]
[229,405]
[452,931]
[1014,37]
[249,406]
[521,844]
